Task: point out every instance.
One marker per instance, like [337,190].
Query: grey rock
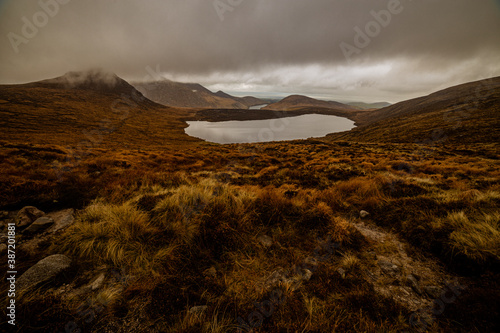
[266,241]
[306,274]
[39,225]
[28,215]
[43,271]
[433,291]
[98,282]
[197,310]
[363,214]
[62,218]
[413,283]
[388,267]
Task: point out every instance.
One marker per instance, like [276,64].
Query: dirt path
[419,283]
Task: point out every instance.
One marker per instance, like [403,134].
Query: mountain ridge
[468,112]
[191,95]
[300,101]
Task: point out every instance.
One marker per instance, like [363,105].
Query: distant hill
[466,113]
[247,100]
[95,79]
[87,109]
[294,102]
[367,106]
[189,95]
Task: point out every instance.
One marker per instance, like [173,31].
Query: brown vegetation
[188,223]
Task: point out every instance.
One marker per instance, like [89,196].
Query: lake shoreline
[300,127]
[218,115]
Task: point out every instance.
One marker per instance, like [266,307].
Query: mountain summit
[95,79]
[193,95]
[298,101]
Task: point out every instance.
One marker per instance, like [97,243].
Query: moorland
[393,226]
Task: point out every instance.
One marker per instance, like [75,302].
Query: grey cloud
[428,41]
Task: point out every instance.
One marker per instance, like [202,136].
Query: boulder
[43,271]
[39,225]
[363,214]
[28,215]
[62,219]
[306,274]
[98,282]
[266,241]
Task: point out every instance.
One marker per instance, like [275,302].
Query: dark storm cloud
[292,45]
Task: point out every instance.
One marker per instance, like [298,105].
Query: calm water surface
[248,131]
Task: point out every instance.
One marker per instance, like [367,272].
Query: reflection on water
[292,128]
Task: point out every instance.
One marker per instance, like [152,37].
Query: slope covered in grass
[192,228]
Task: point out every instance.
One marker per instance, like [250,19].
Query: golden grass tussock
[166,217]
[362,190]
[477,238]
[350,262]
[116,234]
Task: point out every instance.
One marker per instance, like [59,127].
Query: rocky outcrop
[363,214]
[28,215]
[44,271]
[39,225]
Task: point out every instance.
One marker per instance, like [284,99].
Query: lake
[278,129]
[257,107]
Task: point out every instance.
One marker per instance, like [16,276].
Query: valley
[364,230]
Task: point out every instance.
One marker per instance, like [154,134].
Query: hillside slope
[298,101]
[189,95]
[246,100]
[366,106]
[87,108]
[463,114]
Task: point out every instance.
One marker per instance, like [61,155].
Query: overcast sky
[323,48]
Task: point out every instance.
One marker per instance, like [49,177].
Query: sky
[345,50]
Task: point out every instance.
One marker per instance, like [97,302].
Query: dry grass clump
[478,238]
[166,217]
[350,262]
[120,235]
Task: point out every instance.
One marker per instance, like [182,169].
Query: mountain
[189,95]
[466,113]
[95,79]
[298,101]
[366,106]
[86,108]
[247,100]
